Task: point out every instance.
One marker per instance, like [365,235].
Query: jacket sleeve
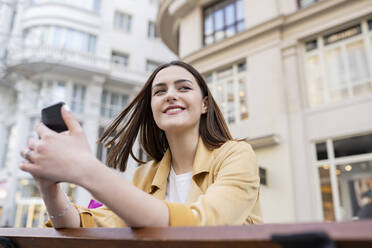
[99,217]
[231,199]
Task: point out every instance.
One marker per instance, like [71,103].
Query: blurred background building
[94,55]
[293,77]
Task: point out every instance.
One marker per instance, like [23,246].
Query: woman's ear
[205,105]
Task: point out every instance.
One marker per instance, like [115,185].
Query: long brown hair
[121,134]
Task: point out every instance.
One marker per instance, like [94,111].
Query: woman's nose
[171,95]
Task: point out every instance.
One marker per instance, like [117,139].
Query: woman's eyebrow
[175,82]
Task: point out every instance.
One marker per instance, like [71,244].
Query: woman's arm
[61,213]
[134,206]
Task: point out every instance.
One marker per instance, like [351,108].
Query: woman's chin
[176,127]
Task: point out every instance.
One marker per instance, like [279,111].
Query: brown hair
[137,117]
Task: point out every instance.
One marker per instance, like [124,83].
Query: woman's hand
[57,157]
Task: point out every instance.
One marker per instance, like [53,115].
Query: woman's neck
[183,148]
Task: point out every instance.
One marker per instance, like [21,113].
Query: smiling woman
[198,174]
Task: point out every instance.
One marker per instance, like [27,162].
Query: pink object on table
[94,204]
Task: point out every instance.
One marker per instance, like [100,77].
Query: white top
[178,186]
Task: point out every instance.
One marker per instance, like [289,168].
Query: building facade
[94,55]
[294,78]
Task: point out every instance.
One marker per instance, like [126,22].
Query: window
[152,65]
[228,86]
[222,20]
[120,59]
[91,5]
[8,147]
[353,146]
[345,193]
[31,211]
[32,124]
[36,94]
[102,151]
[60,37]
[51,92]
[321,151]
[151,30]
[123,21]
[354,180]
[112,103]
[154,2]
[78,98]
[306,3]
[337,66]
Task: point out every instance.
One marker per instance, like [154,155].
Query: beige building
[294,78]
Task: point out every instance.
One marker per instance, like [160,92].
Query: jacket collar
[201,164]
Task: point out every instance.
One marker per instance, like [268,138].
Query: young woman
[198,176]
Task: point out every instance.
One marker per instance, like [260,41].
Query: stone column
[24,103]
[304,200]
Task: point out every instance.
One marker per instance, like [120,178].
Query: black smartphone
[52,118]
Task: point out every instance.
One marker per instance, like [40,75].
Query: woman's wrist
[49,190]
[88,179]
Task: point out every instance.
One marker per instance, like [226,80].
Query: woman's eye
[158,92]
[185,88]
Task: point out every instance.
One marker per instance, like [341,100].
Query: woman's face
[176,100]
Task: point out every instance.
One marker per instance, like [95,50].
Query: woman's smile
[173,110]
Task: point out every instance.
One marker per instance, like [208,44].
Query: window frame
[78,101]
[152,32]
[122,25]
[299,5]
[108,110]
[153,63]
[124,57]
[216,85]
[332,162]
[213,9]
[320,51]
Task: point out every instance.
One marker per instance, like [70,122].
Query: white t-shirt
[178,186]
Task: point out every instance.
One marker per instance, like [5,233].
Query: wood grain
[345,234]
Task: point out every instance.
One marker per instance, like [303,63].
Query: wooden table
[344,234]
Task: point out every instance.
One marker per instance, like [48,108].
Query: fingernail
[67,107]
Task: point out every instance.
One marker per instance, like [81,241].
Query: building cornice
[169,31]
[48,20]
[273,24]
[168,16]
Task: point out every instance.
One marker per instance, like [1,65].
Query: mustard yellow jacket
[224,189]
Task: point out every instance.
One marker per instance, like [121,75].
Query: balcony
[35,60]
[58,13]
[46,59]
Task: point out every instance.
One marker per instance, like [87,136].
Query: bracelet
[63,213]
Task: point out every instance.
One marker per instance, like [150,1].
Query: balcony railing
[52,55]
[347,234]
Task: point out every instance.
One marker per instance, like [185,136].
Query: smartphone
[52,118]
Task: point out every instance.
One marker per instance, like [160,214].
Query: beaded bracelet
[63,213]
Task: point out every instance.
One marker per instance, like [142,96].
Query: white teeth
[173,110]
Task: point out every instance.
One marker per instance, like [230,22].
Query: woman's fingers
[33,143]
[71,123]
[43,130]
[30,168]
[29,155]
